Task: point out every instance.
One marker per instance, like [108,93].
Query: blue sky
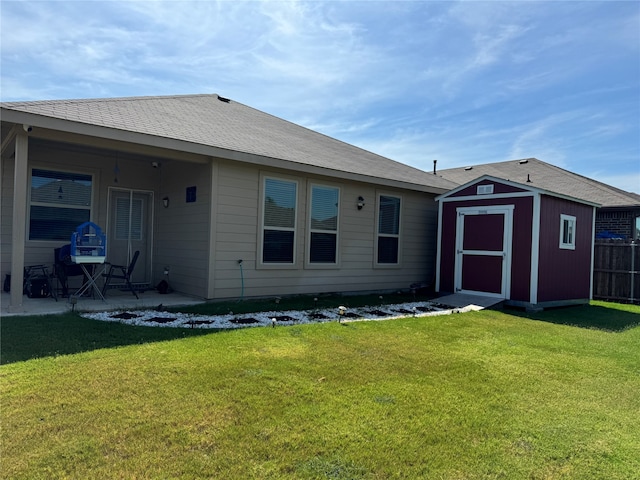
[461,82]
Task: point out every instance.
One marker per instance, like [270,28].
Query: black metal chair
[63,267]
[121,272]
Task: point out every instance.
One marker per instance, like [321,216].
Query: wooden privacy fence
[616,271]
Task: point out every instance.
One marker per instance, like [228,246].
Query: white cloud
[463,82]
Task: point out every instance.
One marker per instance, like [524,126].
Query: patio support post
[18,230]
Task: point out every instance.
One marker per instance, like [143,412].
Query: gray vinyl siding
[201,242]
[239,227]
[182,240]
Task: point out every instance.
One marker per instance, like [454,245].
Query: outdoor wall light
[165,202]
[360,203]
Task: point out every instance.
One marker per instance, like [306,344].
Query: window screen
[279,221]
[59,202]
[324,225]
[388,230]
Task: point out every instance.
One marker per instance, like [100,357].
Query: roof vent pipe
[434,166]
[528,178]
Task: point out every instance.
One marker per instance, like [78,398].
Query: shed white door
[130,227]
[483,250]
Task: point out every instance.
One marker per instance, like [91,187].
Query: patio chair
[63,267]
[121,272]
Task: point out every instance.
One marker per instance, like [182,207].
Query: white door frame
[507,241]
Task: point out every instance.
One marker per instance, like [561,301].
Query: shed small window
[567,232]
[485,189]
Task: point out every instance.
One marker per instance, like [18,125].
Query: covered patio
[115,300]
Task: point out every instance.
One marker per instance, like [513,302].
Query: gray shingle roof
[207,120]
[547,177]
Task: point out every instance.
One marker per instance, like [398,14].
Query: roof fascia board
[488,177]
[200,153]
[314,170]
[490,196]
[117,145]
[97,132]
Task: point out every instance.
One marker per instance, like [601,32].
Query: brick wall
[614,222]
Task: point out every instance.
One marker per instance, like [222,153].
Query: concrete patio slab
[115,300]
[470,302]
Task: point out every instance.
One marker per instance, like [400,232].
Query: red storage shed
[528,246]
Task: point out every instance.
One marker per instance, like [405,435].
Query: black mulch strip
[404,311]
[284,318]
[426,309]
[378,313]
[318,316]
[161,319]
[351,315]
[125,316]
[200,322]
[244,321]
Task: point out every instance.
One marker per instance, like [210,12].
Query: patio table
[92,269]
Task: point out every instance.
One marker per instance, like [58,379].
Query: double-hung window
[567,232]
[323,230]
[58,203]
[388,239]
[279,221]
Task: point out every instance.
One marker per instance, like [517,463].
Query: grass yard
[477,395]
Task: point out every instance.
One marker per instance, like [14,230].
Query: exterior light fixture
[165,202]
[360,202]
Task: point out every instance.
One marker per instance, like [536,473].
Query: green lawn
[476,395]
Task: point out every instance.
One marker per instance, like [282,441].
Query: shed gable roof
[212,121]
[514,188]
[547,177]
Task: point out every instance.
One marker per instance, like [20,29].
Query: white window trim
[378,235]
[571,245]
[38,166]
[260,241]
[485,189]
[308,263]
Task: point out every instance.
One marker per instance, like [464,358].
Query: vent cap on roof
[522,162]
[223,99]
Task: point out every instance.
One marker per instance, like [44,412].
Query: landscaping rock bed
[185,320]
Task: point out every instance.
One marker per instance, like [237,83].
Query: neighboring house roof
[223,127]
[536,173]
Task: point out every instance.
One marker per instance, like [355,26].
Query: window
[388,240]
[279,221]
[484,189]
[567,232]
[59,202]
[323,236]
